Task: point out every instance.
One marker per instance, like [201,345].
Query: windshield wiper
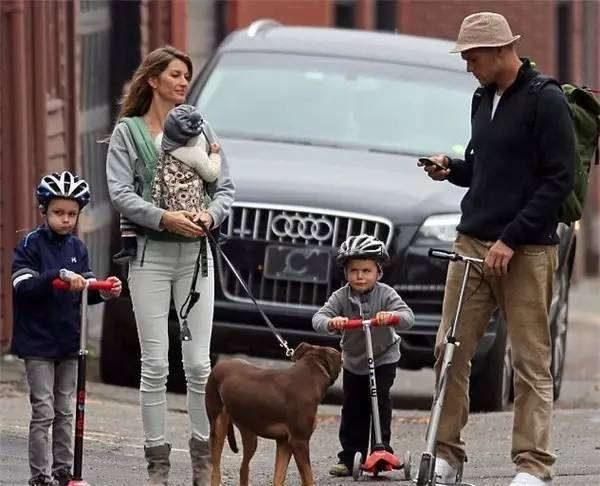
[295,141]
[393,152]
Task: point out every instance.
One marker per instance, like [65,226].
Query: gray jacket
[124,171]
[386,343]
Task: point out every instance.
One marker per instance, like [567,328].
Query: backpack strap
[476,100]
[536,84]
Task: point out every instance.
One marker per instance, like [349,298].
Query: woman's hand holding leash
[206,219]
[181,222]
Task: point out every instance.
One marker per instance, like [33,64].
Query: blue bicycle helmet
[63,185]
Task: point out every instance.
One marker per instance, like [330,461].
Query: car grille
[252,228]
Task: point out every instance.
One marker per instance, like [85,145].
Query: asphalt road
[114,439]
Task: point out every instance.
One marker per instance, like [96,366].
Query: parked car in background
[322,129]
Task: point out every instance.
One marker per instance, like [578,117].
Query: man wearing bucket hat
[518,167]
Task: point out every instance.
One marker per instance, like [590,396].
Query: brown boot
[201,463]
[158,464]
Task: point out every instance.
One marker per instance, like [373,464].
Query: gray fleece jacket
[386,343]
[124,171]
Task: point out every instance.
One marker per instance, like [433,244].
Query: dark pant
[356,412]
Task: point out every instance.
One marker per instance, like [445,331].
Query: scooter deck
[454,484]
[446,484]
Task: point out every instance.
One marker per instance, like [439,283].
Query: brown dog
[275,404]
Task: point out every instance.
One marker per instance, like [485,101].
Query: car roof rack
[260,26]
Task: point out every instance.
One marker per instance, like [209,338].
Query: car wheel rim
[507,374]
[559,341]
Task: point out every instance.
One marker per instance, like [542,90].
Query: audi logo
[306,227]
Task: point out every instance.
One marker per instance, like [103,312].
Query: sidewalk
[114,434]
[584,300]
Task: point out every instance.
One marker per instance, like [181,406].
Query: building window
[345,14]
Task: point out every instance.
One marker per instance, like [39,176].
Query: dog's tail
[214,406]
[231,438]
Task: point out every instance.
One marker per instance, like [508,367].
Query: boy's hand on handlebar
[115,291]
[337,323]
[76,282]
[384,318]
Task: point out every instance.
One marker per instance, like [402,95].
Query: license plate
[298,264]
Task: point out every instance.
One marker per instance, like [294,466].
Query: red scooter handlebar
[359,323]
[57,283]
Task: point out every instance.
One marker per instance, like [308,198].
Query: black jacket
[47,321]
[521,165]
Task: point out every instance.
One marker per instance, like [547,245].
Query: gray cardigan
[123,175]
[386,343]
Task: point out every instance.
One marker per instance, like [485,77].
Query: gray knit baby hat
[183,122]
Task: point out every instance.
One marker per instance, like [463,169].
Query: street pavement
[114,439]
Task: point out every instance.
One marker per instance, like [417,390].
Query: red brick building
[62,68]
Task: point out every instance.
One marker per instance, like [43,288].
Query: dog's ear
[334,362]
[300,350]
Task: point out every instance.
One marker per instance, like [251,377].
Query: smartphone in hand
[428,161]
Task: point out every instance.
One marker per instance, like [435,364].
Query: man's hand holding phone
[436,166]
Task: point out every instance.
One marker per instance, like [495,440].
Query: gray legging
[168,267]
[51,390]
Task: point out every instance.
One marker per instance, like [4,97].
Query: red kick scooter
[379,459]
[81,362]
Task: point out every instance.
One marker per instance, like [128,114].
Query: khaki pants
[523,296]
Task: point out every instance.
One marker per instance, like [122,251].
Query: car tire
[490,389]
[119,347]
[558,330]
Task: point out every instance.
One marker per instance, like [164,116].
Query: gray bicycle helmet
[362,246]
[63,185]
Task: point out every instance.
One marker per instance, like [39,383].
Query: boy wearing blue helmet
[47,321]
[364,297]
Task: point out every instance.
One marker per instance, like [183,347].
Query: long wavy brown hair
[138,95]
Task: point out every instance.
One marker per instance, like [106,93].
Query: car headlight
[436,229]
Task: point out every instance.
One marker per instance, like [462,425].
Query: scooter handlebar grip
[59,284]
[353,324]
[100,285]
[443,254]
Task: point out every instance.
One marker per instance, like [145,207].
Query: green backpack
[585,110]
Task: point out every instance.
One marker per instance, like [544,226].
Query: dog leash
[289,352]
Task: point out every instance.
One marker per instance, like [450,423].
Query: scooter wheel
[407,466]
[423,478]
[357,466]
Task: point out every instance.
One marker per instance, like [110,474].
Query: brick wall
[535,20]
[291,12]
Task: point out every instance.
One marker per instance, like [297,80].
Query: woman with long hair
[172,246]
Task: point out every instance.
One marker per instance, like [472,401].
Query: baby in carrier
[188,161]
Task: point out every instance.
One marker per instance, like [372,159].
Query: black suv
[322,129]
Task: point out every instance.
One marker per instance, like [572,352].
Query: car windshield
[319,100]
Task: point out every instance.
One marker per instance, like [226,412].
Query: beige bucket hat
[484,29]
